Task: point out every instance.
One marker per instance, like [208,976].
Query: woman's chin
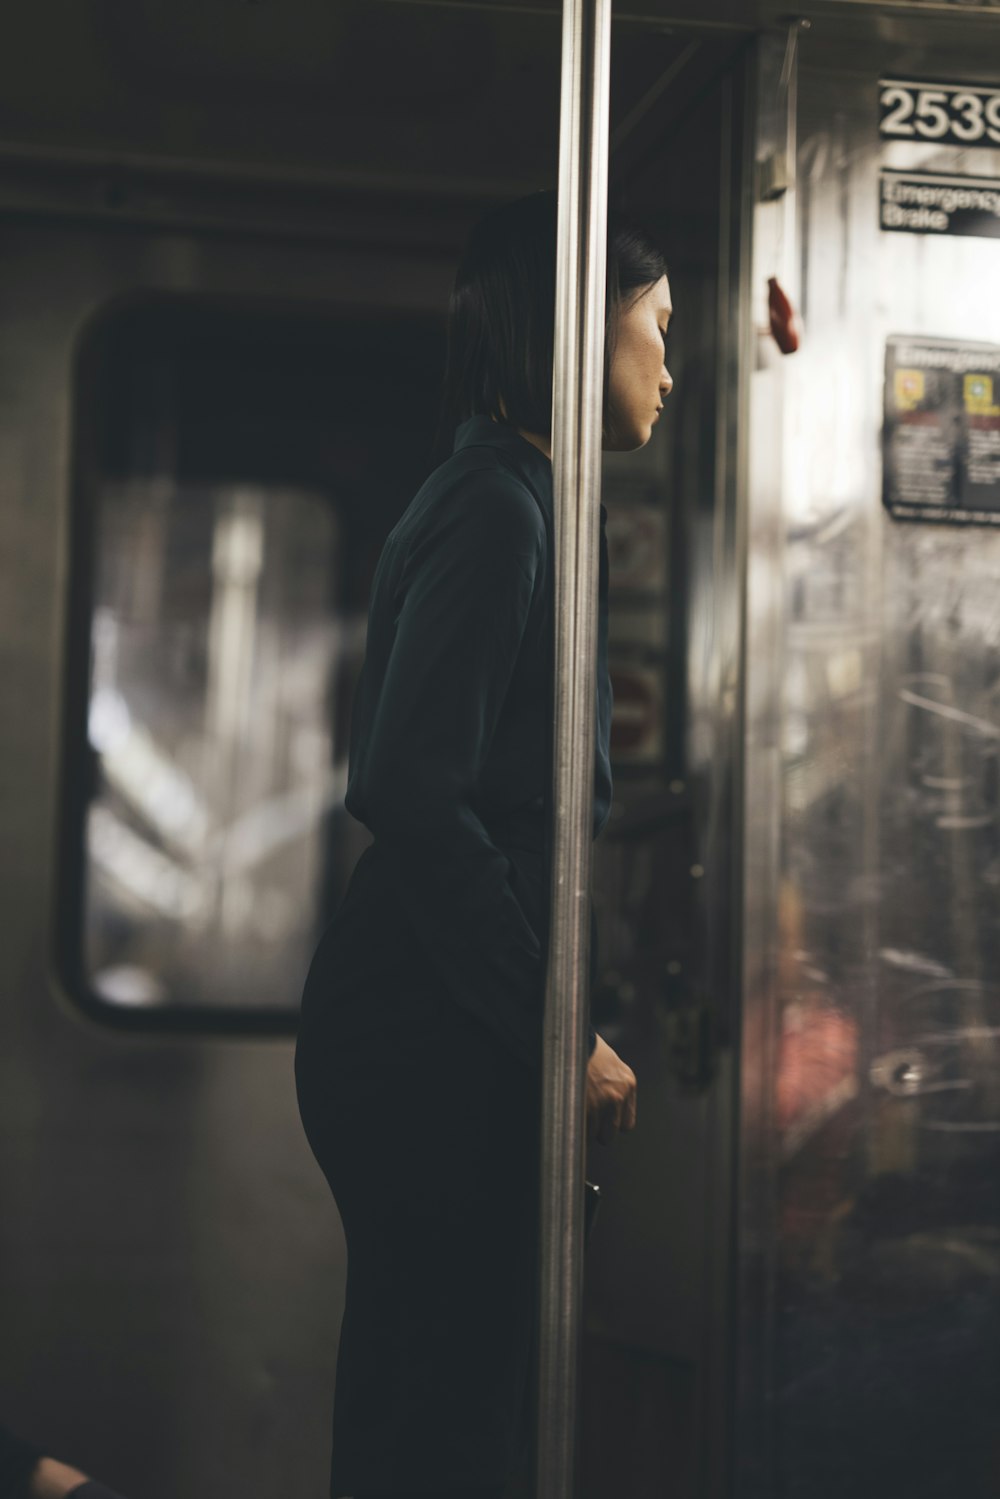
[629,440]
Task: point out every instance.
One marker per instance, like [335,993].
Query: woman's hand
[610,1094]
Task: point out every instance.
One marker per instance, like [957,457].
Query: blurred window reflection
[234,488]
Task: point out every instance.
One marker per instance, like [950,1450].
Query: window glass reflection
[213,654]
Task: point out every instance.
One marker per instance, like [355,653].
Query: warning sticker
[941,438]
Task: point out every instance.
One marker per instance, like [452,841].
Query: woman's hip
[415,1104]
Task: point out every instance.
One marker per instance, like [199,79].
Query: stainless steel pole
[578,383]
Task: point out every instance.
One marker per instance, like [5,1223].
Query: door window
[234,488]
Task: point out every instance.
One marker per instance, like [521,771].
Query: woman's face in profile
[639,380]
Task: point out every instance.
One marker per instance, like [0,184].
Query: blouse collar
[520,454]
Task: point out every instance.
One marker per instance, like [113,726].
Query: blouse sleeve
[466,596]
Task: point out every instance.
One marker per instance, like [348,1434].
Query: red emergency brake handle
[784,327]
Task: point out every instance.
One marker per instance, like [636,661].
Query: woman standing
[418,1057]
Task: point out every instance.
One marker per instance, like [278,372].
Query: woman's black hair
[502,313]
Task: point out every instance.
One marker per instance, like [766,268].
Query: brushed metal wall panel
[871,1111]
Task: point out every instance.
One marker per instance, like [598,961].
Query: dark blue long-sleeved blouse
[451,734]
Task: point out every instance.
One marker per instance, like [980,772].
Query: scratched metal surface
[871,1208]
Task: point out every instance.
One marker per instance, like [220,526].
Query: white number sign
[956,114]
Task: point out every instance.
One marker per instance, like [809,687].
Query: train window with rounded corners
[236,471]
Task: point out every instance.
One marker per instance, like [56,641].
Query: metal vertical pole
[578,383]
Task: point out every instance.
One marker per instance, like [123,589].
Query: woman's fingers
[611,1094]
[628,1121]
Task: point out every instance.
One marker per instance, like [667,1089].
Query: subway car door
[198,489]
[869,1211]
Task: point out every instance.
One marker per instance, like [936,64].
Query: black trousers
[427,1132]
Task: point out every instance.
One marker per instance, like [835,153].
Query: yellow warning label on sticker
[910,389]
[978,392]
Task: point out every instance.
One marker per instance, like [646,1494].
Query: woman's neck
[543,444]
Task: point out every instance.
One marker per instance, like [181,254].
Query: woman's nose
[666,381]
